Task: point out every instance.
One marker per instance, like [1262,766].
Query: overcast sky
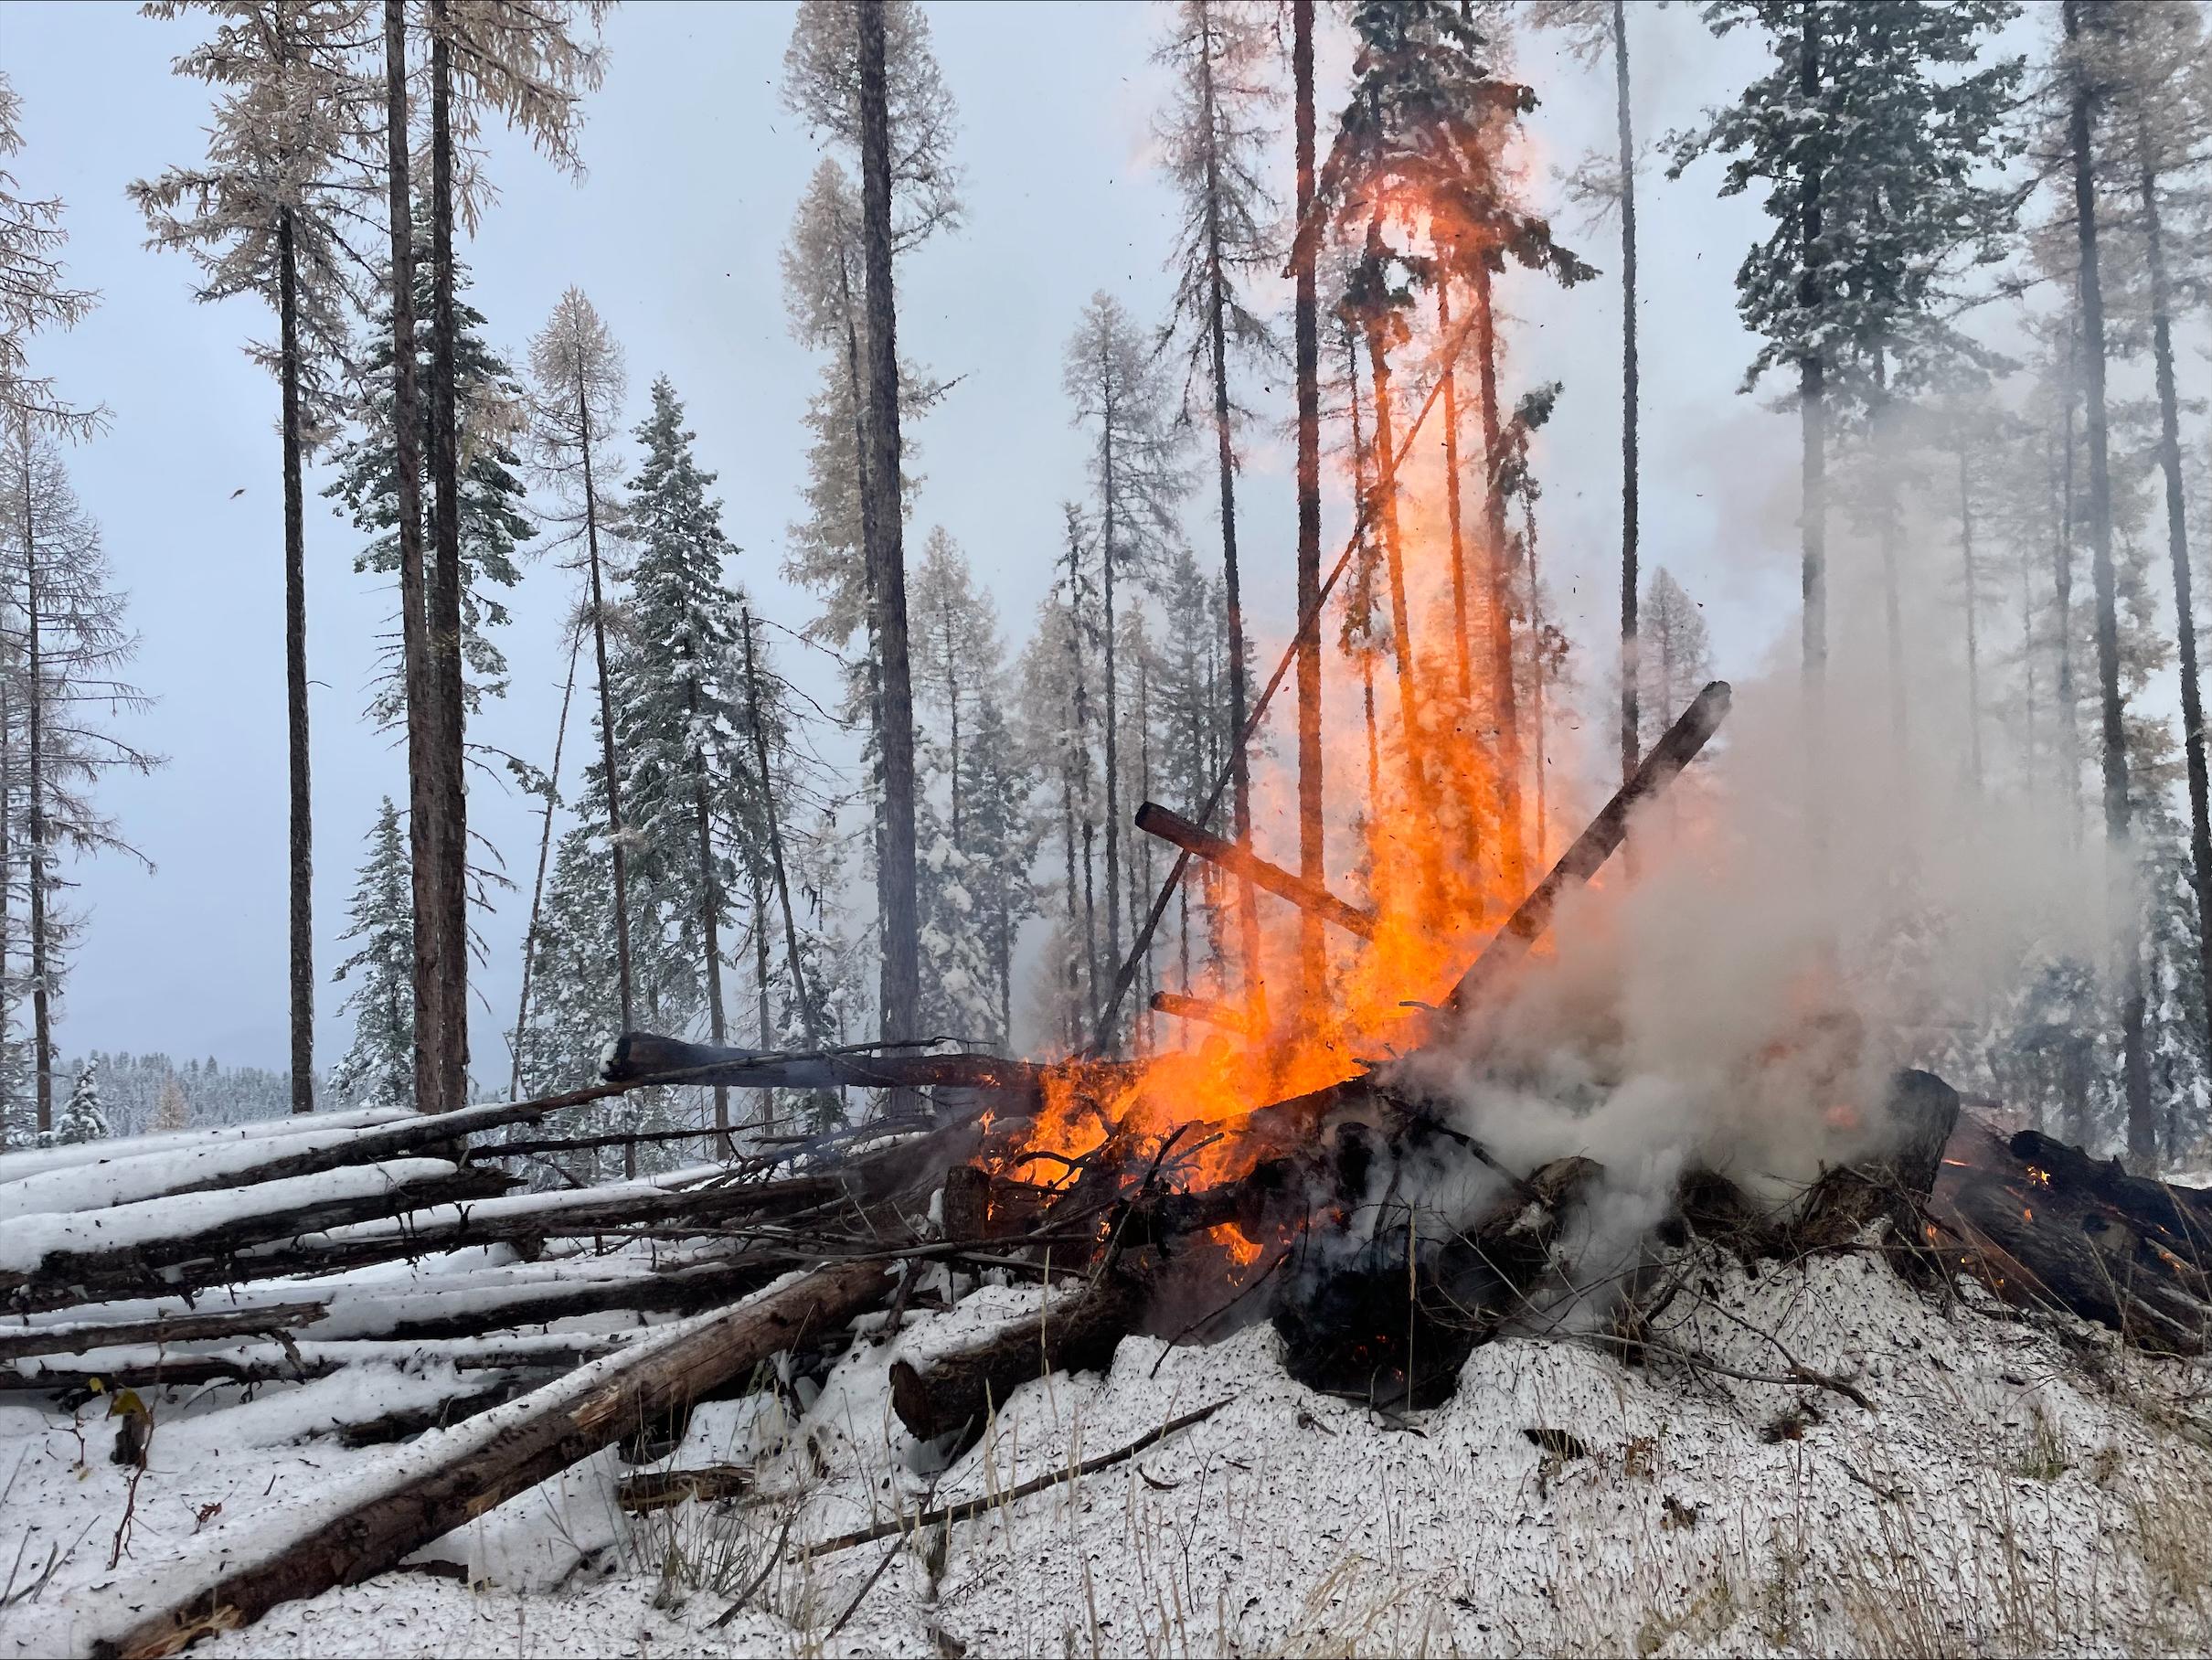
[695,168]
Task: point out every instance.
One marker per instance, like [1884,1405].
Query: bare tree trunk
[2062,578]
[423,830]
[1631,733]
[1312,854]
[2126,918]
[300,847]
[1512,842]
[1535,680]
[886,555]
[808,1014]
[1241,775]
[1813,429]
[34,707]
[1386,518]
[710,930]
[1108,511]
[1886,510]
[1973,664]
[1463,654]
[442,969]
[2178,548]
[545,853]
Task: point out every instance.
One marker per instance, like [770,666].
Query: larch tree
[1113,379]
[68,622]
[1874,134]
[277,211]
[1305,345]
[1676,656]
[681,711]
[864,75]
[377,1069]
[577,366]
[35,296]
[1212,136]
[529,63]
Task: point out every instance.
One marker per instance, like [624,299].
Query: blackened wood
[644,1055]
[1185,1007]
[543,1434]
[652,1490]
[1238,861]
[1581,861]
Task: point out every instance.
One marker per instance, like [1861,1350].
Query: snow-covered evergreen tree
[1675,658]
[378,1068]
[493,403]
[83,1117]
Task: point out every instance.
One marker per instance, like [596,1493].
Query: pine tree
[1873,132]
[1112,379]
[680,705]
[69,622]
[83,1118]
[579,370]
[377,1069]
[1305,326]
[494,521]
[269,213]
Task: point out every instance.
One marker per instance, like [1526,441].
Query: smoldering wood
[1919,1116]
[1673,751]
[644,1056]
[1241,862]
[357,1536]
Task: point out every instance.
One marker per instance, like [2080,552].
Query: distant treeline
[142,1092]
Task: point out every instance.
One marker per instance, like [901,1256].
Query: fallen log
[953,1394]
[297,1362]
[32,1161]
[1185,1007]
[1238,861]
[138,1250]
[644,1055]
[76,1336]
[360,1528]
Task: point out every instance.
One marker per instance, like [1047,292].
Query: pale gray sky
[695,168]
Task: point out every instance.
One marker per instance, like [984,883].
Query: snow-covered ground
[2008,1491]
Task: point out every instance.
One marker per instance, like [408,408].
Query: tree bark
[1312,854]
[954,1393]
[2185,616]
[1217,307]
[618,853]
[1512,847]
[1974,655]
[1109,508]
[1463,654]
[2126,917]
[301,841]
[2062,585]
[358,1531]
[793,958]
[441,970]
[1631,739]
[33,739]
[887,558]
[422,827]
[1813,431]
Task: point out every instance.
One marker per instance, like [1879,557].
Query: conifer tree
[1673,656]
[579,370]
[1112,379]
[1214,142]
[172,1108]
[83,1117]
[74,645]
[377,1069]
[493,521]
[271,212]
[680,705]
[34,295]
[1305,329]
[1873,133]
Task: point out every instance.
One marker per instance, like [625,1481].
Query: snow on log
[49,1261]
[34,1161]
[954,1393]
[75,1337]
[356,1529]
[147,1366]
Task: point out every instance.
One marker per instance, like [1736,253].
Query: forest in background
[1968,304]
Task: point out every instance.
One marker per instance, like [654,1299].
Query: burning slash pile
[1183,1196]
